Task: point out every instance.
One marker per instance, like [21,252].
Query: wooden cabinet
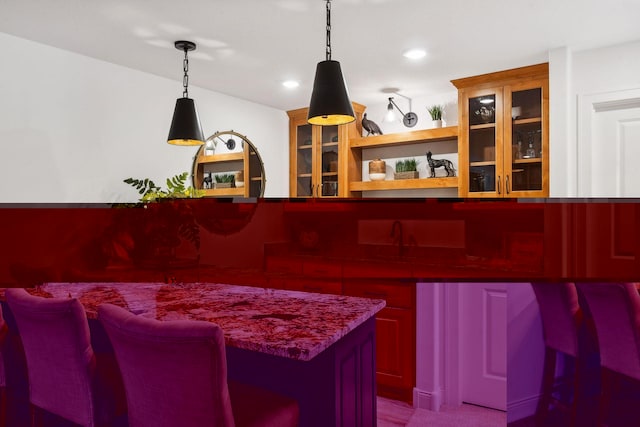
[504,133]
[359,181]
[319,158]
[395,324]
[395,334]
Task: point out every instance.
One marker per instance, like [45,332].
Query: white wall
[574,74]
[72,127]
[449,100]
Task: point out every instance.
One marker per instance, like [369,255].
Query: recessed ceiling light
[415,53]
[290,84]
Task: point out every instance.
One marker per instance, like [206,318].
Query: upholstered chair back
[559,309]
[60,359]
[615,308]
[174,372]
[3,334]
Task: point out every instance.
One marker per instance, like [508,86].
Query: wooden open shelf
[226,157]
[222,192]
[403,138]
[356,145]
[405,184]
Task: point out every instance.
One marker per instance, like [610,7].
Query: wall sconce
[330,104]
[185,125]
[230,143]
[409,120]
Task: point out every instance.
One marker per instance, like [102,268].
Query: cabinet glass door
[526,140]
[304,161]
[329,161]
[483,149]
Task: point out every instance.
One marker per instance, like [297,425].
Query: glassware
[531,152]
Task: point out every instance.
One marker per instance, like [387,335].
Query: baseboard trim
[522,408]
[431,400]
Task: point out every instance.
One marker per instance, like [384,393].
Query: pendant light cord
[185,78]
[328,30]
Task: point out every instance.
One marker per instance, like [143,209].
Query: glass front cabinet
[504,133]
[319,156]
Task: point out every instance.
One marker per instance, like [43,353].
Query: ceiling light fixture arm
[410,119]
[186,46]
[395,105]
[230,143]
[328,53]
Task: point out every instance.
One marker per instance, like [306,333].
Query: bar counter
[296,325]
[317,348]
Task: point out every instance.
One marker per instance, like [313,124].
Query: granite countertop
[296,325]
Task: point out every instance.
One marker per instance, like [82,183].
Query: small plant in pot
[436,115]
[406,169]
[167,219]
[225,180]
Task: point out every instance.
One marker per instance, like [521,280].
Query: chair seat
[253,406]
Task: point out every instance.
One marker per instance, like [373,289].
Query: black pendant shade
[185,126]
[330,103]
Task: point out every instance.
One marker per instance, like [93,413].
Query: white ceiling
[246,48]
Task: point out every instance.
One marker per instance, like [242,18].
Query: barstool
[615,308]
[175,374]
[63,376]
[561,321]
[3,379]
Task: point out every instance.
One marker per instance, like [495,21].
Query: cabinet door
[395,352]
[327,166]
[301,157]
[526,145]
[481,156]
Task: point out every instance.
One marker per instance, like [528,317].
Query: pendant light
[330,104]
[185,126]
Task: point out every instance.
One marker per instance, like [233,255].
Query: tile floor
[392,413]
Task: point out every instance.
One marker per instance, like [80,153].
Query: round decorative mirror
[229,165]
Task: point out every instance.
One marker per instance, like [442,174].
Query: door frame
[437,346]
[588,106]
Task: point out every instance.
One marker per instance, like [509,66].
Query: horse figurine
[438,163]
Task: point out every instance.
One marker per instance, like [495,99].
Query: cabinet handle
[318,190]
[506,178]
[499,192]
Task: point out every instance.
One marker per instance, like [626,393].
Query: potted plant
[436,115]
[167,219]
[406,169]
[224,180]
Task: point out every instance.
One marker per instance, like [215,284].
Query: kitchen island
[319,349]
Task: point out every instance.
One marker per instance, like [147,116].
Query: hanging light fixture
[330,104]
[185,126]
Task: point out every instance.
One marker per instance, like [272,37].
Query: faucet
[397,235]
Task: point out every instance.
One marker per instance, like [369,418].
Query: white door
[609,145]
[483,344]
